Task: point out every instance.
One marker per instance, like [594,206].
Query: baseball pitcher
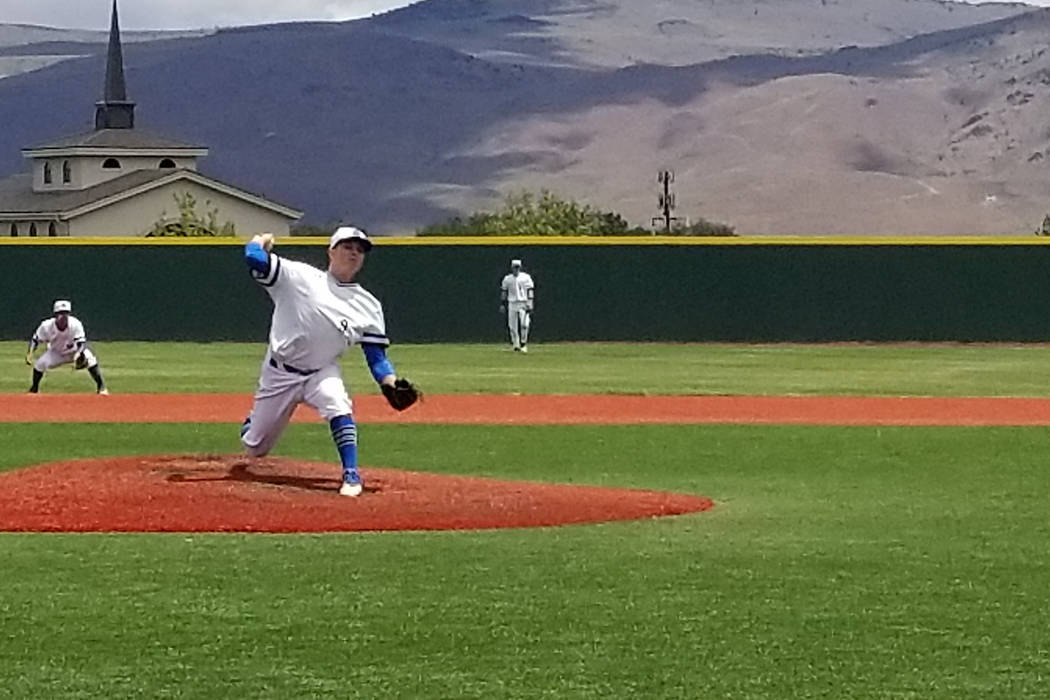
[317,315]
[516,298]
[66,342]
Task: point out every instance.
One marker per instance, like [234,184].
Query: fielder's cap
[514,262]
[348,233]
[60,306]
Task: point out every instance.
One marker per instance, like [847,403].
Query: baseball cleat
[103,392]
[524,348]
[352,485]
[352,490]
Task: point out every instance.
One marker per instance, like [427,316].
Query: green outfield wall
[765,290]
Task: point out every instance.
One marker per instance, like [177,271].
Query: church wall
[86,171]
[92,173]
[136,215]
[24,227]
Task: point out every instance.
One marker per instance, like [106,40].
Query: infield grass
[839,562]
[591,368]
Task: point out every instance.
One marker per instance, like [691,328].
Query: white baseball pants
[277,396]
[52,357]
[518,321]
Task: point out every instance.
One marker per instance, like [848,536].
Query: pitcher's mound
[223,493]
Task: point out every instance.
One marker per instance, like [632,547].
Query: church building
[120,181]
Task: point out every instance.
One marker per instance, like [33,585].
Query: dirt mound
[224,493]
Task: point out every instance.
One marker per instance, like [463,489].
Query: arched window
[111,164]
[14,230]
[167,163]
[52,230]
[47,173]
[67,172]
[32,230]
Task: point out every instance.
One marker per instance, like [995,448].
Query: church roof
[17,198]
[121,139]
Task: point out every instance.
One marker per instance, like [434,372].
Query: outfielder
[316,316]
[66,342]
[516,297]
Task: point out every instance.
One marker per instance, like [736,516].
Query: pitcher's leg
[344,433]
[275,401]
[327,393]
[266,422]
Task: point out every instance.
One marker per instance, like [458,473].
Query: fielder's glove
[80,362]
[401,394]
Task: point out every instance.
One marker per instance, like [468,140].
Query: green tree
[527,214]
[189,222]
[702,227]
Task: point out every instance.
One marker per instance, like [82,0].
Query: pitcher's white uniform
[315,319]
[62,345]
[516,291]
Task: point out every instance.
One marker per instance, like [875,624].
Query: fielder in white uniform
[516,298]
[66,342]
[317,315]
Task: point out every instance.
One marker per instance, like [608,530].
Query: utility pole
[665,178]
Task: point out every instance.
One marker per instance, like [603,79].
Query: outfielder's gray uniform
[516,291]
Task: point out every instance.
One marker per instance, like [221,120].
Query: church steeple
[114,111]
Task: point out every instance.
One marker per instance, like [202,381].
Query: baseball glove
[80,362]
[401,394]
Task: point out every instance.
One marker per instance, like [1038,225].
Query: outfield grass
[618,368]
[839,562]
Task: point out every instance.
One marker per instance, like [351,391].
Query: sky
[195,14]
[185,14]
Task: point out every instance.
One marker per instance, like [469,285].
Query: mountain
[28,47]
[793,116]
[615,34]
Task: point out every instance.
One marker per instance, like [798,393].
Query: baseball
[266,239]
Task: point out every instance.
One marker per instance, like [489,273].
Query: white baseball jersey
[517,287]
[316,317]
[62,342]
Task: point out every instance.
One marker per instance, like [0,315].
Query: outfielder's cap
[514,262]
[347,233]
[61,305]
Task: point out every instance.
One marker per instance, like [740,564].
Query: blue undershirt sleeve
[257,259]
[377,360]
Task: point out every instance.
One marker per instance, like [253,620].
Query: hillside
[863,127]
[604,34]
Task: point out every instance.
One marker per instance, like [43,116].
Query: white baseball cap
[514,262]
[60,306]
[346,233]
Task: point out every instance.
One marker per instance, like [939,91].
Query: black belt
[294,370]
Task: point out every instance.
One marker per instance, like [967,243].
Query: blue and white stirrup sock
[344,432]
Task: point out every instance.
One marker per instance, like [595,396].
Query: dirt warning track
[546,410]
